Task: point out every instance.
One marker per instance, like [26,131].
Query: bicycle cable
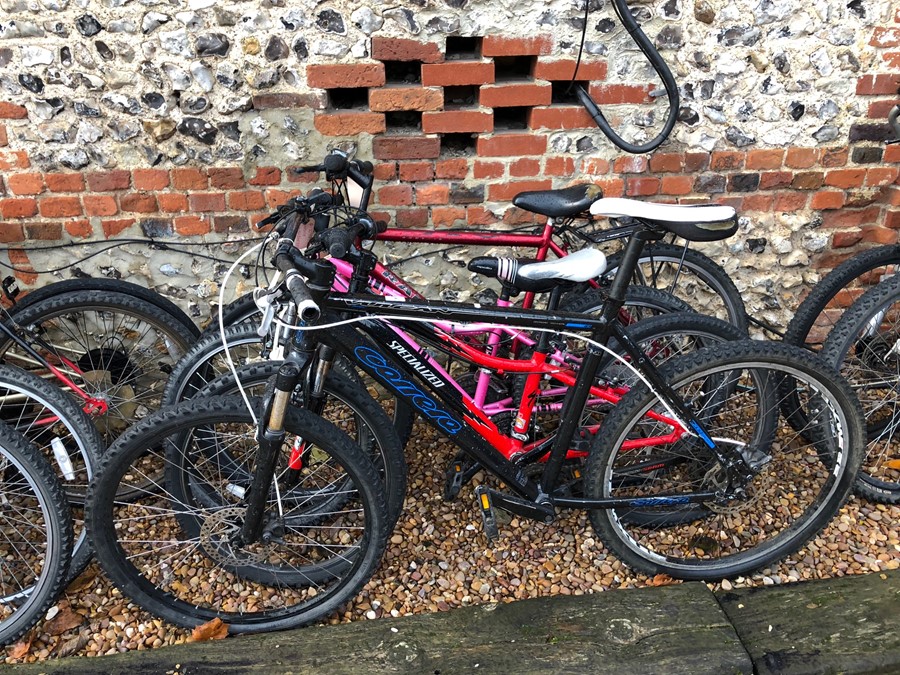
[623,13]
[111,244]
[221,312]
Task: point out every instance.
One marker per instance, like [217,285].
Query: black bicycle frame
[376,349]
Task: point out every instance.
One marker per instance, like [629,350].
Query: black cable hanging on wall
[623,13]
[111,244]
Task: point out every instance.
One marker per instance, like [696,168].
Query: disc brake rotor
[217,534]
[754,491]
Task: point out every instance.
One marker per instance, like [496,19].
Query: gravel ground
[438,559]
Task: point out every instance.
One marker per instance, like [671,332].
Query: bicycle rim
[797,485]
[173,552]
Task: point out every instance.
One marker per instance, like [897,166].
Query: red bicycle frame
[543,243]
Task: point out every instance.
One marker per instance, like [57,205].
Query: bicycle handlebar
[337,165]
[307,308]
[338,241]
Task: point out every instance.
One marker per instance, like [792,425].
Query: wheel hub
[219,533]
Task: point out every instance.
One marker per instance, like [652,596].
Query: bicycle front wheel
[349,407]
[36,541]
[174,552]
[796,487]
[208,359]
[104,285]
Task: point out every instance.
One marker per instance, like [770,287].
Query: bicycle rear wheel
[666,337]
[325,527]
[115,347]
[641,302]
[863,345]
[692,277]
[797,484]
[35,535]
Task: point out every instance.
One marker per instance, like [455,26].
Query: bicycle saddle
[565,203]
[526,275]
[694,222]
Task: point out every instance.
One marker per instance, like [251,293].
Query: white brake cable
[231,365]
[387,317]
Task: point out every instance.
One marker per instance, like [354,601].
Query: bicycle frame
[374,347]
[91,404]
[384,282]
[543,243]
[446,333]
[399,366]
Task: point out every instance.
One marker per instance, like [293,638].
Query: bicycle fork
[270,436]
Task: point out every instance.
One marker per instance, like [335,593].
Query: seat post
[628,265]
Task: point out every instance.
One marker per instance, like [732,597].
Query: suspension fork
[314,399]
[270,437]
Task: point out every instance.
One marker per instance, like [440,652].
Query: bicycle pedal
[460,472]
[488,516]
[453,480]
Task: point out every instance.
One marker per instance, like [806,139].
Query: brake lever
[264,300]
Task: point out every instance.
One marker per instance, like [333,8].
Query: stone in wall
[771,60]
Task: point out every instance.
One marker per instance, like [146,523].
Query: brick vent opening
[403,72]
[356,98]
[460,97]
[463,48]
[403,121]
[511,118]
[458,145]
[514,68]
[561,94]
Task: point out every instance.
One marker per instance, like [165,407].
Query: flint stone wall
[184,121]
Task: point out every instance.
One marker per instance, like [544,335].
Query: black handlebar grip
[307,309]
[339,240]
[368,228]
[340,243]
[318,197]
[289,226]
[335,164]
[486,266]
